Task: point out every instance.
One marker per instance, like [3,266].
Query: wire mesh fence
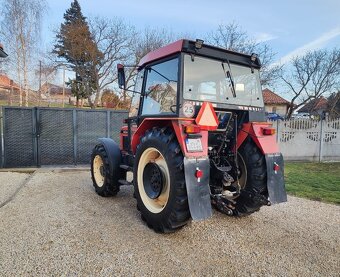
[51,136]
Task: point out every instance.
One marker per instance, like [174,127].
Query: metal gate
[50,136]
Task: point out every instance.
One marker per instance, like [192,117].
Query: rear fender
[267,144]
[147,124]
[198,189]
[274,160]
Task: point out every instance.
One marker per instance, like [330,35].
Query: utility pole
[63,86]
[39,83]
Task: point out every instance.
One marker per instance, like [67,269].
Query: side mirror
[121,76]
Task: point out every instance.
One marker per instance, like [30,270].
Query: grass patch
[315,181]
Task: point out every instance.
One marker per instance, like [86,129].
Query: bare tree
[232,37]
[146,41]
[333,105]
[310,76]
[20,27]
[115,40]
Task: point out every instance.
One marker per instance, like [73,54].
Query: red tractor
[196,137]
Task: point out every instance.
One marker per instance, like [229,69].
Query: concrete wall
[306,139]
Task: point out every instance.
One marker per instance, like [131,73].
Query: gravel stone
[10,183]
[56,225]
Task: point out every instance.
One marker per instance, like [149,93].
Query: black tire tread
[111,186]
[176,214]
[253,195]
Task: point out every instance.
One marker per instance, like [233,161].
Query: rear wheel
[253,179]
[159,181]
[104,182]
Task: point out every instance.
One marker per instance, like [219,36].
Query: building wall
[276,108]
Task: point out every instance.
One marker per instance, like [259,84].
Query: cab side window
[161,88]
[137,94]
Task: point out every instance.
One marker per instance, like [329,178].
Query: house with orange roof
[8,88]
[316,106]
[274,103]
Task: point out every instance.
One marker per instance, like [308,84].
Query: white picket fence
[307,139]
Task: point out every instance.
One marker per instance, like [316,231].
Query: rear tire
[159,181]
[104,182]
[254,193]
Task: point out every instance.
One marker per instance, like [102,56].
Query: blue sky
[289,27]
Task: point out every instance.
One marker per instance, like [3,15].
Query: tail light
[192,129]
[198,174]
[268,131]
[276,167]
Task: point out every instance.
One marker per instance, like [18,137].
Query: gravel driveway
[55,225]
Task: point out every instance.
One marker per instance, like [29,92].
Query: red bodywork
[162,52]
[267,143]
[177,124]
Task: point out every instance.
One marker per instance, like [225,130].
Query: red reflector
[199,173]
[192,129]
[268,131]
[276,167]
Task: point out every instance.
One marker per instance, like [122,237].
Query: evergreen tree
[76,46]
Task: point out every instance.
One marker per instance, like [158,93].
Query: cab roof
[188,46]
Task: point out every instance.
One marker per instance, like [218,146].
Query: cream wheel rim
[98,170]
[152,155]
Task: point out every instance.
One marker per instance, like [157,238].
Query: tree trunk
[19,80]
[92,104]
[96,100]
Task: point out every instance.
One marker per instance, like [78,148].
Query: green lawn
[316,181]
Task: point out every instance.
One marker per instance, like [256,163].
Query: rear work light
[192,129]
[268,131]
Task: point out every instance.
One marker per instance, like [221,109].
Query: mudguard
[198,190]
[275,178]
[114,156]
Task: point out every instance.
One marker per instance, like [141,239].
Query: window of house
[274,109]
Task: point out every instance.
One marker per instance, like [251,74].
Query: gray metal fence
[50,136]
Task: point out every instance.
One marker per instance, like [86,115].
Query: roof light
[199,43]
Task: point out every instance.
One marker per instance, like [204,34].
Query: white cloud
[313,45]
[262,37]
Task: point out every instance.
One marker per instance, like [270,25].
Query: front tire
[104,182]
[159,181]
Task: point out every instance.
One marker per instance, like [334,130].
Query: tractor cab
[174,81]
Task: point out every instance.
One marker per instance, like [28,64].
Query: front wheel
[159,181]
[104,181]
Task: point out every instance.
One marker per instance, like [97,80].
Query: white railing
[307,139]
